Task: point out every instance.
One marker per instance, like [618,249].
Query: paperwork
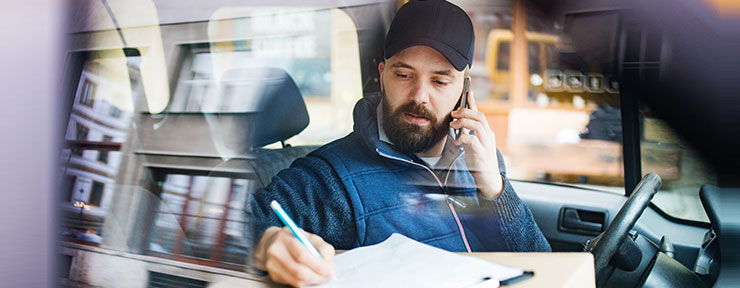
[402,262]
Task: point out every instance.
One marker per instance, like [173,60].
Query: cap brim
[453,56]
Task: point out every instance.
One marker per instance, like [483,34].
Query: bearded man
[402,169]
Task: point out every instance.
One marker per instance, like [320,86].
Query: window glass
[198,92]
[504,52]
[80,135]
[91,158]
[149,169]
[115,112]
[554,116]
[682,169]
[198,217]
[534,60]
[662,150]
[96,194]
[88,93]
[103,155]
[317,48]
[167,182]
[492,26]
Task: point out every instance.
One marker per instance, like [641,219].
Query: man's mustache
[416,110]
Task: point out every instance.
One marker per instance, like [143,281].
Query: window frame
[93,192]
[84,99]
[630,110]
[103,154]
[114,112]
[80,127]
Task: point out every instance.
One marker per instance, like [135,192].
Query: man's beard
[412,138]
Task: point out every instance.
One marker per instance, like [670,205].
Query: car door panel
[547,202]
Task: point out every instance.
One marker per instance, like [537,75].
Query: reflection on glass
[91,158]
[534,61]
[88,93]
[682,169]
[317,48]
[125,181]
[556,118]
[201,217]
[504,52]
[165,233]
[200,236]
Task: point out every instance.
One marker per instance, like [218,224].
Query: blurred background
[125,157]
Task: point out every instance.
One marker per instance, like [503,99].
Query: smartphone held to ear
[463,102]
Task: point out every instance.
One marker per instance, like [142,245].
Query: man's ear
[381,67]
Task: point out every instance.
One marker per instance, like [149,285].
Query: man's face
[420,89]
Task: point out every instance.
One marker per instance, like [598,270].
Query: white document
[402,262]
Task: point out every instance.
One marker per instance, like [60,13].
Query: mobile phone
[463,103]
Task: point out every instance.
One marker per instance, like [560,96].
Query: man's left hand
[480,148]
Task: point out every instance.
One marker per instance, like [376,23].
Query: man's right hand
[289,262]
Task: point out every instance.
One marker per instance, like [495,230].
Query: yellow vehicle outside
[498,61]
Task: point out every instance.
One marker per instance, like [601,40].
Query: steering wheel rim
[604,246]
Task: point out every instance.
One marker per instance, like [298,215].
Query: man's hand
[289,262]
[480,148]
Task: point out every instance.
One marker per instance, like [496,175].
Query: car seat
[277,113]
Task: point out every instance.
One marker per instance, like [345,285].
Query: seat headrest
[272,100]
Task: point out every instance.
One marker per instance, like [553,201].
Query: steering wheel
[604,246]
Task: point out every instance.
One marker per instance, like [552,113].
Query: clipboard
[526,275]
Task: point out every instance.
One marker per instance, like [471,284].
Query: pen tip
[274,204]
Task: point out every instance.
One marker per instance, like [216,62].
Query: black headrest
[272,100]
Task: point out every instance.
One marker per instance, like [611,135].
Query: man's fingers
[470,114]
[302,255]
[292,273]
[326,249]
[277,265]
[289,262]
[478,128]
[278,273]
[471,141]
[259,257]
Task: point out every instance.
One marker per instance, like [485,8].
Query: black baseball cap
[435,23]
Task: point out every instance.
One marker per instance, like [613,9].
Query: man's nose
[420,92]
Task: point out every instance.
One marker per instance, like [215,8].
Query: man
[401,170]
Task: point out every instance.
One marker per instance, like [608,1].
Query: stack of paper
[402,262]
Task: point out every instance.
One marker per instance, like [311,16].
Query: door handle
[582,221]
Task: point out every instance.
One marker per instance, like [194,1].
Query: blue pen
[293,228]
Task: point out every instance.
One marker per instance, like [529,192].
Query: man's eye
[399,75]
[441,83]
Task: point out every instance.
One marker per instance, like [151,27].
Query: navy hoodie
[358,190]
